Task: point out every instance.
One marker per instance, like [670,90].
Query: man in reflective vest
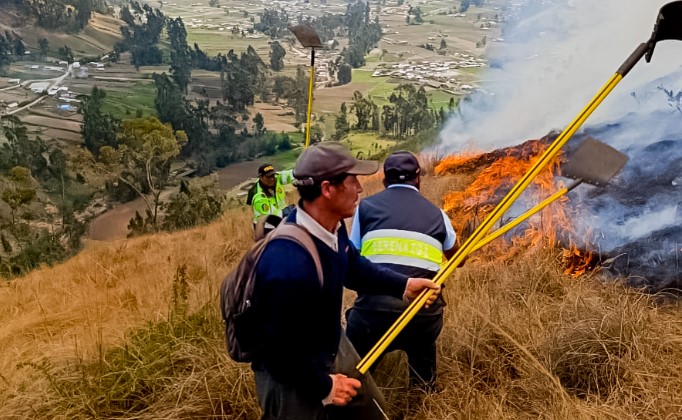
[267,195]
[401,230]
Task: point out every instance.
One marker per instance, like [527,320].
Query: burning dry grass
[131,329]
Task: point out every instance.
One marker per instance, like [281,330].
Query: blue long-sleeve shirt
[300,320]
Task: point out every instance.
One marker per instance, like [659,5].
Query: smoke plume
[555,56]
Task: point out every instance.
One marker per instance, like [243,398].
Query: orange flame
[503,168]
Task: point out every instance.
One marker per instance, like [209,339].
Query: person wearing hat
[299,325]
[267,195]
[401,230]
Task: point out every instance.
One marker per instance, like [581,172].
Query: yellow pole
[470,244]
[310,96]
[509,226]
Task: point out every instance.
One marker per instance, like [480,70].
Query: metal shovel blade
[594,162]
[369,403]
[306,35]
[668,25]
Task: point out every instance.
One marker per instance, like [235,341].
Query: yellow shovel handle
[470,244]
[310,98]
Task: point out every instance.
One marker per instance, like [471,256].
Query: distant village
[443,75]
[438,75]
[67,100]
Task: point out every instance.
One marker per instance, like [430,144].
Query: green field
[214,42]
[384,86]
[286,159]
[368,143]
[439,99]
[126,103]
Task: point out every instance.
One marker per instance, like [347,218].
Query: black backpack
[237,289]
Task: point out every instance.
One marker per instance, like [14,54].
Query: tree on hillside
[408,112]
[65,53]
[16,134]
[18,47]
[20,192]
[283,87]
[201,60]
[191,207]
[417,15]
[277,53]
[142,33]
[5,52]
[273,23]
[98,129]
[19,150]
[451,105]
[365,110]
[43,48]
[58,170]
[300,95]
[242,77]
[146,149]
[341,125]
[83,12]
[259,123]
[170,104]
[362,35]
[180,54]
[345,74]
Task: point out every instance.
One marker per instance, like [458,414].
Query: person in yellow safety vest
[267,195]
[401,230]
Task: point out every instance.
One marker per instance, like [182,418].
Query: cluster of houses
[293,8]
[438,75]
[66,99]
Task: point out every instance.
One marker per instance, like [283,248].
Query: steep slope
[129,329]
[97,38]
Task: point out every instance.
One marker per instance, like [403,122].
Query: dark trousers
[418,340]
[282,402]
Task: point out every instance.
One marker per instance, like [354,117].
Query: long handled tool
[593,162]
[307,36]
[369,403]
[668,26]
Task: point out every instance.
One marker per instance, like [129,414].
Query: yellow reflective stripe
[263,205]
[401,247]
[280,197]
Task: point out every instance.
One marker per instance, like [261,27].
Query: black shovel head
[594,162]
[668,26]
[369,403]
[306,35]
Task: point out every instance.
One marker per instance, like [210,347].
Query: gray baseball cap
[329,159]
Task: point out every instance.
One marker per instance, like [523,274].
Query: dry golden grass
[131,329]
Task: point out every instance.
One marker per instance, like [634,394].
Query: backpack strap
[299,234]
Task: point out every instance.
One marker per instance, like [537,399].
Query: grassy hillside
[131,329]
[97,38]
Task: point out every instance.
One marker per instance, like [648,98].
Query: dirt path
[236,173]
[113,224]
[275,120]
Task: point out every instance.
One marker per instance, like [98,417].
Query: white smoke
[553,61]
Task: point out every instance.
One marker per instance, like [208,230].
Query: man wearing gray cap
[299,318]
[411,241]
